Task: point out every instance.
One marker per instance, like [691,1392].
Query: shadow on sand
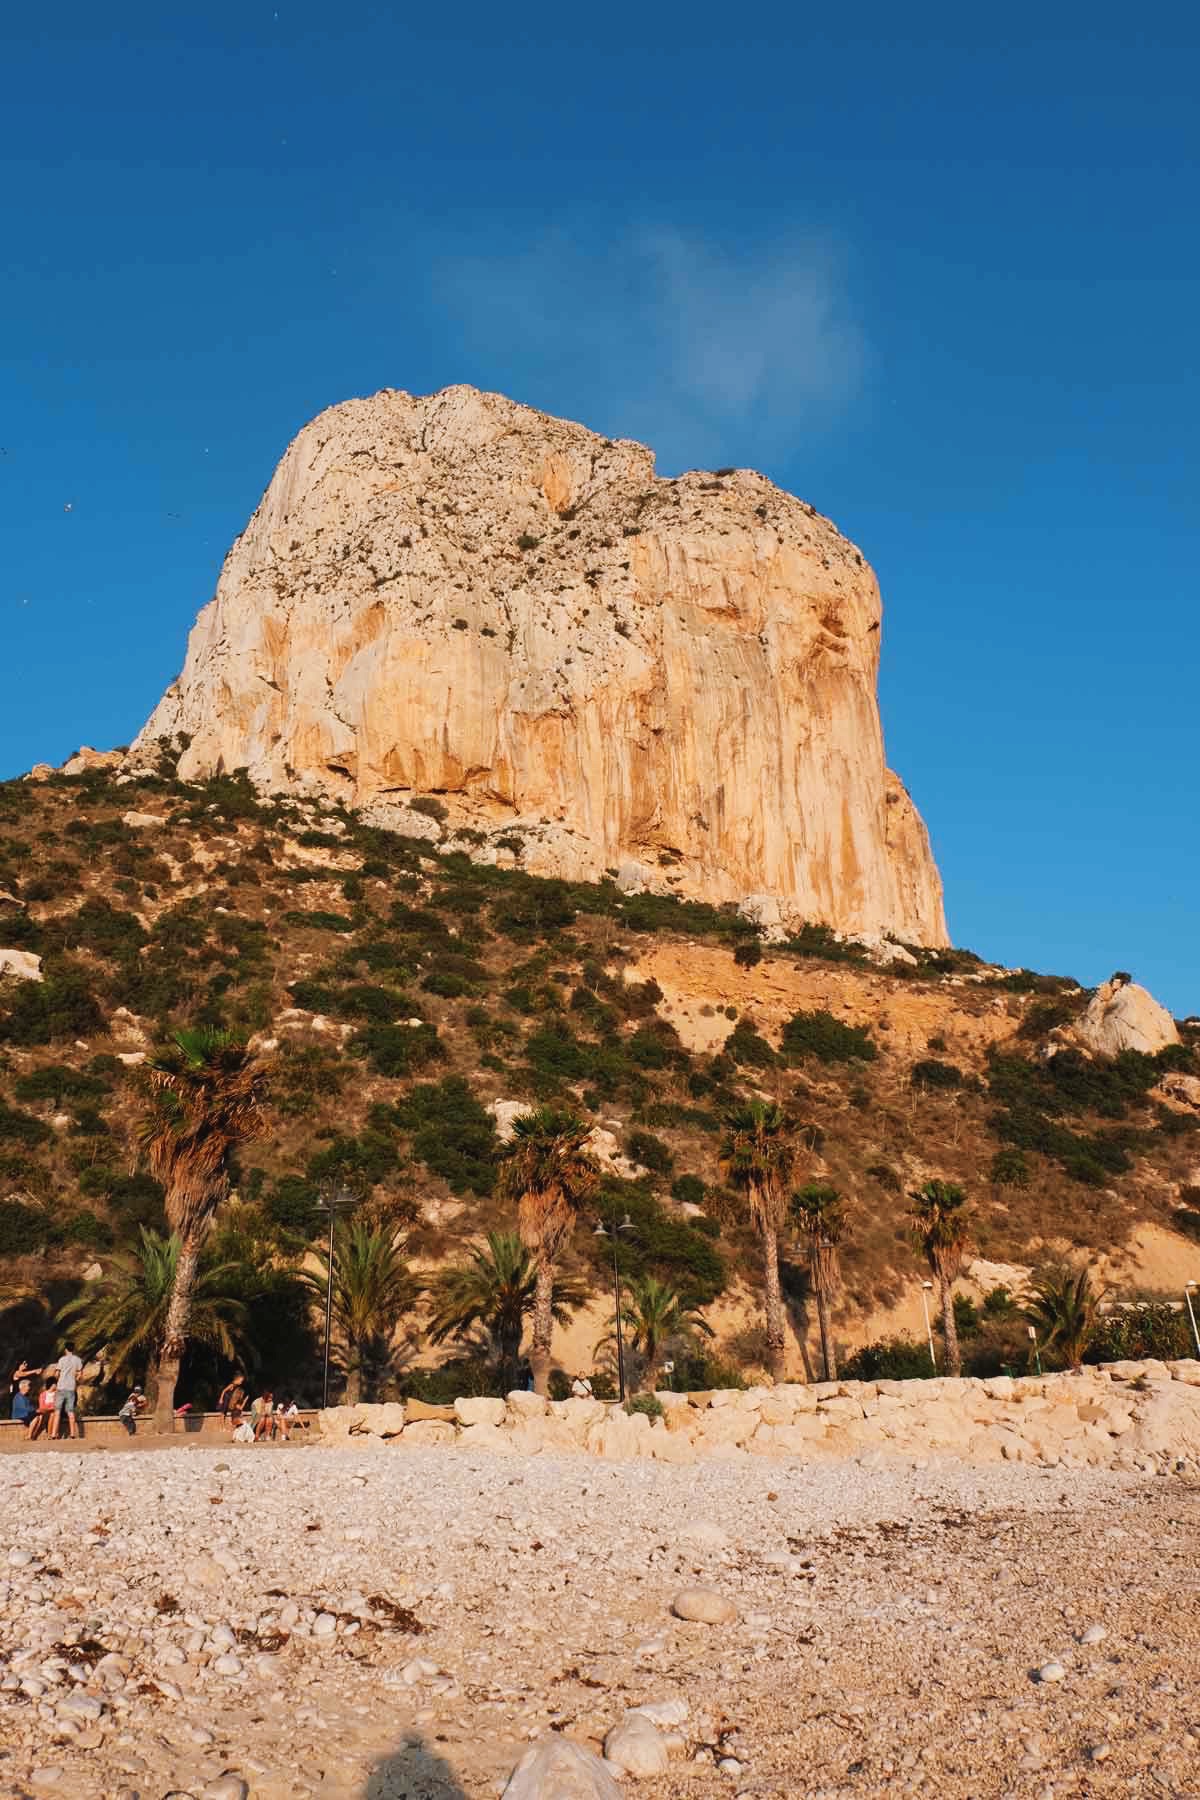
[413,1771]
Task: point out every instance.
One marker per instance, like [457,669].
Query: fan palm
[757,1156]
[1064,1306]
[496,1289]
[373,1288]
[820,1214]
[206,1095]
[549,1173]
[940,1224]
[653,1315]
[127,1308]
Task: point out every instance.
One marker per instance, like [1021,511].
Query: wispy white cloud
[707,353]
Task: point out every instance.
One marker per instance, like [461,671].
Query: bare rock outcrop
[1123,1016]
[461,601]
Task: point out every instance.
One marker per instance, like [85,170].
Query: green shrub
[357,1162]
[55,1082]
[660,1244]
[88,1231]
[61,1006]
[18,1127]
[135,1199]
[649,1049]
[319,921]
[689,1190]
[103,929]
[747,1048]
[643,1147]
[23,1229]
[747,955]
[889,1359]
[934,1074]
[1136,1333]
[885,1176]
[649,1404]
[1010,1168]
[819,1034]
[398,1050]
[291,1206]
[533,908]
[453,1134]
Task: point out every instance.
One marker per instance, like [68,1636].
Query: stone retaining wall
[1133,1416]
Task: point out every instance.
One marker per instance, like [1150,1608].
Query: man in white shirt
[69,1367]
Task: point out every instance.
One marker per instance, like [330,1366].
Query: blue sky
[936,272]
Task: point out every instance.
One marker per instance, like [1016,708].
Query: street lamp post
[926,1290]
[333,1201]
[1037,1351]
[1188,1289]
[625,1228]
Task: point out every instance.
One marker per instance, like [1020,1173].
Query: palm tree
[126,1309]
[654,1314]
[373,1288]
[206,1095]
[820,1213]
[757,1157]
[940,1226]
[549,1173]
[1064,1306]
[496,1288]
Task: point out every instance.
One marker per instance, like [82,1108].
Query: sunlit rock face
[670,680]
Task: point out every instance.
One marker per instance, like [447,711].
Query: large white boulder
[1123,1016]
[479,1409]
[22,965]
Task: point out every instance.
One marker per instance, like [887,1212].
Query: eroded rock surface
[461,601]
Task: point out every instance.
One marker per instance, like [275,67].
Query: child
[45,1410]
[133,1407]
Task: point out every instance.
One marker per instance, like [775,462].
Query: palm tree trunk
[950,1331]
[828,1353]
[179,1312]
[509,1346]
[353,1375]
[773,1298]
[543,1326]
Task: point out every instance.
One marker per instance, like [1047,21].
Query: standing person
[68,1371]
[132,1410]
[232,1397]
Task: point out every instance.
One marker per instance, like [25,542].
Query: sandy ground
[400,1623]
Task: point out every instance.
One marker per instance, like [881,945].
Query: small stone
[80,1707]
[729,1765]
[1051,1671]
[557,1766]
[227,1665]
[703,1606]
[635,1747]
[226,1787]
[324,1625]
[20,1559]
[50,1775]
[1098,1753]
[1095,1634]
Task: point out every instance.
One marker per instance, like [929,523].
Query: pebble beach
[228,1623]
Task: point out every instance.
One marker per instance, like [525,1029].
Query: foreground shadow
[413,1771]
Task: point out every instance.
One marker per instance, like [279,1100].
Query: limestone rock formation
[462,602]
[1123,1016]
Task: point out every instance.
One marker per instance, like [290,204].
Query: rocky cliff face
[460,598]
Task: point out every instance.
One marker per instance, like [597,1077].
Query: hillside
[400,990]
